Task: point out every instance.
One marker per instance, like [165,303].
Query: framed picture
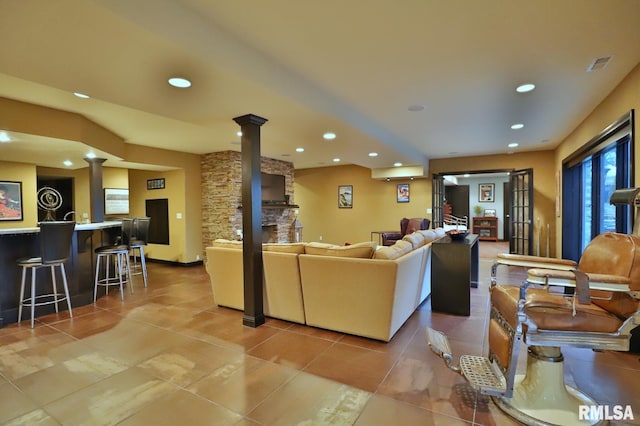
[10,200]
[402,193]
[486,192]
[345,196]
[155,183]
[116,201]
[490,212]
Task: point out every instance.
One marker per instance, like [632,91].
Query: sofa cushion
[416,239]
[429,235]
[440,232]
[221,242]
[400,248]
[362,250]
[296,248]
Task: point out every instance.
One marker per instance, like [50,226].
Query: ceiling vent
[599,63]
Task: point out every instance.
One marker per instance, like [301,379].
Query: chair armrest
[535,261]
[554,277]
[392,235]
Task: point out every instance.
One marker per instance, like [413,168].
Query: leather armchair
[407,226]
[600,314]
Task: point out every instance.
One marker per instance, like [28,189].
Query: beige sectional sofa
[281,287]
[358,289]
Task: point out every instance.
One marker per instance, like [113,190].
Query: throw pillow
[416,239]
[296,248]
[362,250]
[400,248]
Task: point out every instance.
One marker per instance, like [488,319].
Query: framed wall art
[345,196]
[486,192]
[116,201]
[10,200]
[155,183]
[402,193]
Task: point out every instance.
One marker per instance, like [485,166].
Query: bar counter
[16,243]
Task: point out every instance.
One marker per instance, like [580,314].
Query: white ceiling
[351,67]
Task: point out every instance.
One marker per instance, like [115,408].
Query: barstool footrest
[61,298]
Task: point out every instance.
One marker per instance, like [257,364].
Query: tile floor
[167,355]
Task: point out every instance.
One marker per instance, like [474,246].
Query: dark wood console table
[454,269]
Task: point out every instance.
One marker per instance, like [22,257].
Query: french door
[437,201]
[521,212]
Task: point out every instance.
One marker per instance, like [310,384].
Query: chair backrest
[55,241]
[408,226]
[127,231]
[141,229]
[614,254]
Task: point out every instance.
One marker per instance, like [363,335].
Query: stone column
[96,195]
[251,219]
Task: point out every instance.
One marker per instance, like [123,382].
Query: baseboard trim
[170,262]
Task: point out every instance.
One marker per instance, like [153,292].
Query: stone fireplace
[222,198]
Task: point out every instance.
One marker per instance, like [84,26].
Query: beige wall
[621,100]
[374,203]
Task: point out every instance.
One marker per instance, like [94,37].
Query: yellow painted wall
[25,173]
[185,238]
[621,100]
[374,203]
[544,181]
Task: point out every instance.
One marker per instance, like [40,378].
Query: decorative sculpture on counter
[49,200]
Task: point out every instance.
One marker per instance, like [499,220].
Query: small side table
[454,269]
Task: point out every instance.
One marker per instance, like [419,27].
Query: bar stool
[55,244]
[139,239]
[119,253]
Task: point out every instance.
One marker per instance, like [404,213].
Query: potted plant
[477,210]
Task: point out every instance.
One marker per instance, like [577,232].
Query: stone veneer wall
[222,195]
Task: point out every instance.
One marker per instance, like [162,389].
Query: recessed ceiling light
[416,108]
[373,154]
[512,145]
[67,163]
[398,164]
[4,137]
[81,95]
[517,126]
[527,87]
[299,149]
[336,160]
[180,82]
[329,136]
[91,155]
[466,175]
[239,133]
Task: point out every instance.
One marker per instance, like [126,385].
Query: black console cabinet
[454,268]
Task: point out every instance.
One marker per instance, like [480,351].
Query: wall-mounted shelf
[486,228]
